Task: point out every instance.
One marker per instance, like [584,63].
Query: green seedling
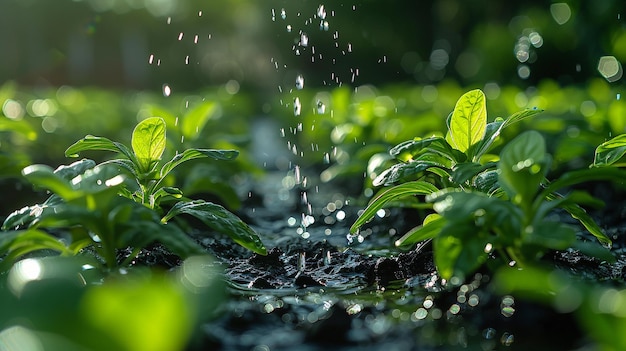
[487,204]
[87,206]
[148,172]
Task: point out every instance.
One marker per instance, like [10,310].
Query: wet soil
[318,289]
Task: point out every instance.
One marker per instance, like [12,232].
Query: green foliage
[610,152]
[487,205]
[86,202]
[70,305]
[87,207]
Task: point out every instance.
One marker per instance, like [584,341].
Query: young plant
[86,211]
[484,207]
[87,206]
[148,172]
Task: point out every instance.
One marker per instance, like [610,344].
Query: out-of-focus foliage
[192,43]
[62,303]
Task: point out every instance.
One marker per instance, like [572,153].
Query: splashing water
[299,82]
[297,107]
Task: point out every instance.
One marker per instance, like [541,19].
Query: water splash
[304,39]
[297,107]
[299,82]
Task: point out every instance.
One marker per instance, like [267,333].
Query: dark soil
[324,292]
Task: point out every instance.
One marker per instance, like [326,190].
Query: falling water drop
[321,108]
[297,175]
[283,13]
[299,82]
[297,107]
[326,158]
[167,91]
[289,28]
[304,39]
[151,59]
[180,36]
[321,12]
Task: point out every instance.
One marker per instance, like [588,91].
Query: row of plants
[486,210]
[483,188]
[67,278]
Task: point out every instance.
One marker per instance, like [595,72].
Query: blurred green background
[195,43]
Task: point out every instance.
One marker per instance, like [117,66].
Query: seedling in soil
[86,201]
[486,205]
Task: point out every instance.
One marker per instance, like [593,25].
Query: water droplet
[304,39]
[180,36]
[195,39]
[289,28]
[151,59]
[321,108]
[169,20]
[321,12]
[324,25]
[167,91]
[297,107]
[283,13]
[619,96]
[299,82]
[200,13]
[187,59]
[326,158]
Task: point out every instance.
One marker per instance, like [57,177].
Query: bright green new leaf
[402,190]
[148,142]
[468,121]
[610,151]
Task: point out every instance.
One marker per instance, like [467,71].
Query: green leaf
[145,232]
[468,121]
[584,175]
[194,121]
[463,172]
[593,249]
[610,151]
[191,154]
[456,257]
[44,177]
[402,172]
[220,219]
[412,149]
[494,129]
[551,235]
[429,229]
[79,167]
[522,166]
[402,190]
[91,142]
[148,142]
[15,244]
